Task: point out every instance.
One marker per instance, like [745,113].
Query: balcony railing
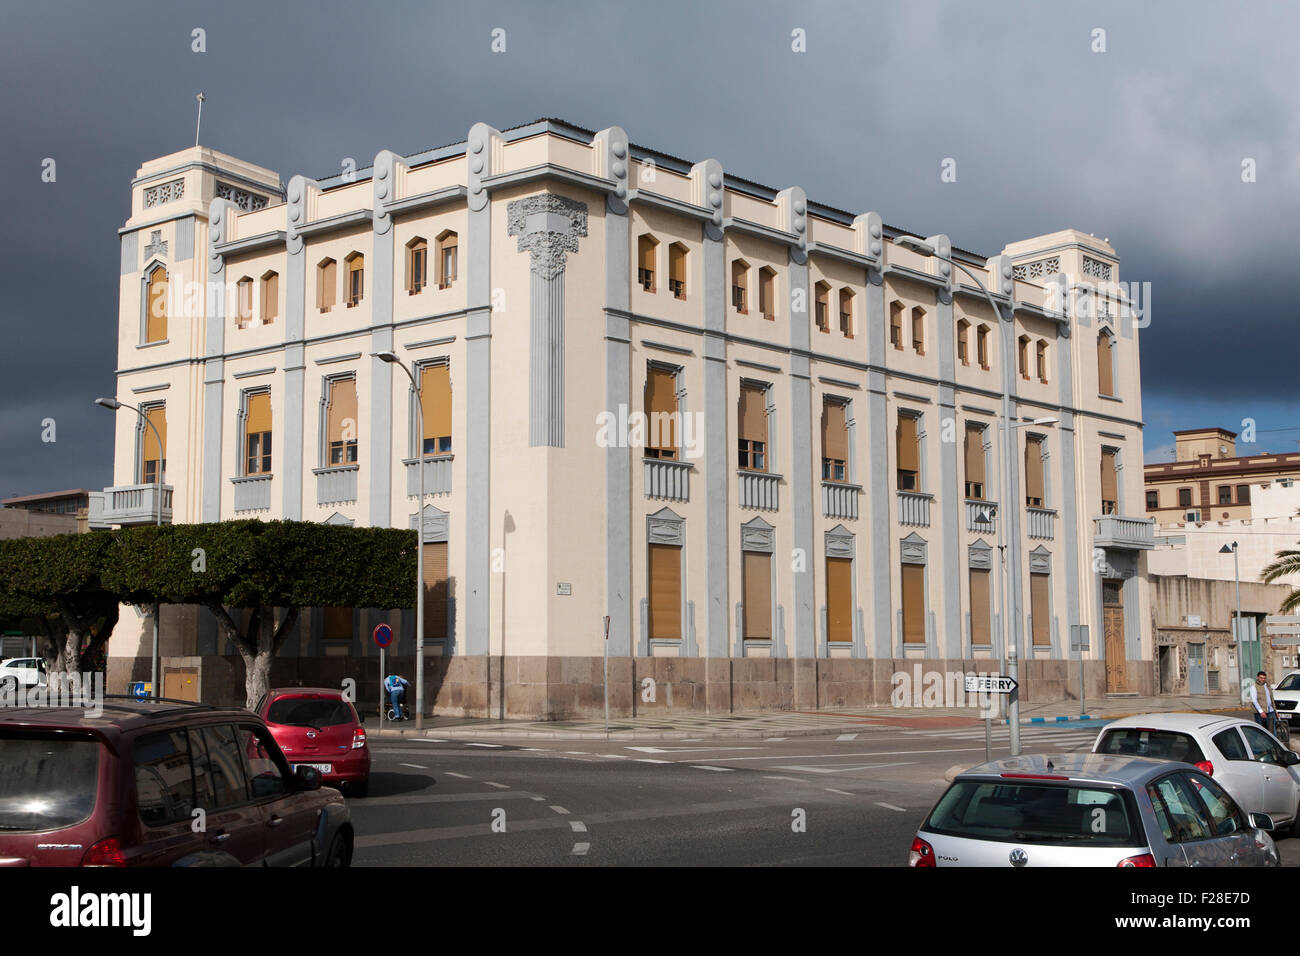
[667,479]
[437,475]
[758,490]
[840,499]
[336,484]
[1041,522]
[981,516]
[252,492]
[136,504]
[1115,531]
[914,508]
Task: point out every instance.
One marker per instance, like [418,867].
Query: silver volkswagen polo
[1090,810]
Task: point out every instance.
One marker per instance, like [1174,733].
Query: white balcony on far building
[137,504]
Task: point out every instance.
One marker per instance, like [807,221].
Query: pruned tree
[57,583]
[1286,564]
[262,566]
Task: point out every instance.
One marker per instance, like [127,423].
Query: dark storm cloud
[1142,144]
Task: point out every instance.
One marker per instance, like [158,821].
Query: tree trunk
[257,647]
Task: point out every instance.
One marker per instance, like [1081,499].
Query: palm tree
[1287,563]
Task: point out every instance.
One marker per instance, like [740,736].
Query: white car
[22,672]
[1258,772]
[1287,697]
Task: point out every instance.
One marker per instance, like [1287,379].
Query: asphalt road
[851,799]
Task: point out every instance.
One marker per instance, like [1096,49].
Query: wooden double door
[1112,610]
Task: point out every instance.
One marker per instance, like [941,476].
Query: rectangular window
[1184,497]
[1024,357]
[739,285]
[661,413]
[447,264]
[913,604]
[665,592]
[1225,494]
[982,346]
[1034,471]
[1040,616]
[839,600]
[753,428]
[1105,365]
[341,427]
[417,267]
[907,452]
[823,307]
[677,270]
[1243,494]
[974,462]
[846,313]
[153,457]
[645,263]
[963,335]
[1109,483]
[437,591]
[896,325]
[835,442]
[756,571]
[435,407]
[326,284]
[980,617]
[156,303]
[243,302]
[918,331]
[1042,361]
[1153,500]
[257,434]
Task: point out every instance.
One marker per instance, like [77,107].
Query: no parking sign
[383,635]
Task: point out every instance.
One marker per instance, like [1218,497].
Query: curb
[1137,713]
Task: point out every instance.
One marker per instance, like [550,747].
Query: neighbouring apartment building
[758,433]
[1208,481]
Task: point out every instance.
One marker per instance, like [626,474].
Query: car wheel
[340,853]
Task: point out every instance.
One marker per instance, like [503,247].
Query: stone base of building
[558,688]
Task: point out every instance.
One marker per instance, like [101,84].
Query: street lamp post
[392,359]
[113,405]
[1236,621]
[1010,649]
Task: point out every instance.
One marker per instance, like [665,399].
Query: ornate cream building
[758,433]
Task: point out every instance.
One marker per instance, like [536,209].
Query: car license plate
[322,767]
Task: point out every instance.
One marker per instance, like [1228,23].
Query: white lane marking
[559,810]
[581,753]
[499,786]
[534,749]
[649,760]
[703,766]
[433,740]
[890,806]
[847,737]
[773,740]
[580,849]
[878,753]
[613,756]
[539,799]
[648,750]
[495,746]
[578,826]
[686,750]
[841,792]
[795,779]
[870,766]
[417,766]
[459,776]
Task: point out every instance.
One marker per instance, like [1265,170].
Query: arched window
[740,286]
[918,330]
[356,287]
[767,292]
[1105,363]
[646,250]
[270,298]
[1041,357]
[823,304]
[327,283]
[982,346]
[963,342]
[243,302]
[447,268]
[156,291]
[1024,357]
[846,313]
[677,270]
[417,265]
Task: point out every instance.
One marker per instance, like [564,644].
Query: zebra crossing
[1032,737]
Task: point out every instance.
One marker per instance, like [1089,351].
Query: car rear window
[1144,742]
[309,712]
[1031,812]
[47,782]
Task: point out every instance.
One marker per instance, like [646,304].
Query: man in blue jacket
[396,687]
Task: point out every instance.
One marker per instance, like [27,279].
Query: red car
[159,783]
[317,727]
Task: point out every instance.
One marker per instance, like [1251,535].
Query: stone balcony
[667,480]
[437,475]
[758,490]
[914,508]
[981,516]
[1117,531]
[840,499]
[137,504]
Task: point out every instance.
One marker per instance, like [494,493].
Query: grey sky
[1142,144]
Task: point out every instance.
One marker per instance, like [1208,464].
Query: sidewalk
[684,726]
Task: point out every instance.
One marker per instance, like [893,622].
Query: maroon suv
[131,787]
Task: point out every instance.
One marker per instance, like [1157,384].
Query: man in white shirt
[1261,698]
